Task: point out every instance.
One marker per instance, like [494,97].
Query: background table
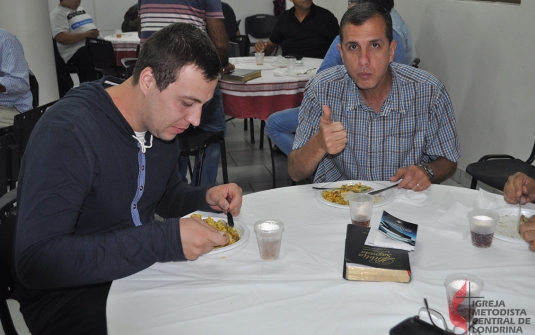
[125,46]
[303,291]
[261,97]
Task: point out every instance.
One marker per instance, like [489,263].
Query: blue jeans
[212,119]
[281,126]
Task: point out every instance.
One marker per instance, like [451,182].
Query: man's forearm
[443,168]
[303,162]
[218,35]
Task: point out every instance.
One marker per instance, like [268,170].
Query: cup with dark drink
[360,208]
[463,291]
[482,226]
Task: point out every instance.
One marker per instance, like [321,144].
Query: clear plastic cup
[360,208]
[269,237]
[482,226]
[463,291]
[259,58]
[118,33]
[291,64]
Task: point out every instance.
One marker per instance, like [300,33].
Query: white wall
[483,53]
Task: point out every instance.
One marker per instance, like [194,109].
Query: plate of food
[507,223]
[337,197]
[238,234]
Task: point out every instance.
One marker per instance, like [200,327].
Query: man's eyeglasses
[436,319]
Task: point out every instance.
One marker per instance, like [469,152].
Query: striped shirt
[416,124]
[157,14]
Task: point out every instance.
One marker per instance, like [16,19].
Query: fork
[230,219]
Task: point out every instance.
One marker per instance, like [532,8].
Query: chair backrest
[260,25]
[128,64]
[233,49]
[63,72]
[24,123]
[8,216]
[34,88]
[415,62]
[101,52]
[243,43]
[6,140]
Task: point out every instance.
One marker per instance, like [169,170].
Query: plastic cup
[269,237]
[259,58]
[360,208]
[482,226]
[463,291]
[291,63]
[118,33]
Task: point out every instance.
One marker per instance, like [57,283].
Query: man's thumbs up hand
[332,135]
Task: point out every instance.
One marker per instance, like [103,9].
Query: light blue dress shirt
[14,74]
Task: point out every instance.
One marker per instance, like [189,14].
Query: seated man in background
[520,188]
[206,15]
[281,126]
[131,19]
[71,25]
[99,165]
[15,95]
[305,30]
[372,119]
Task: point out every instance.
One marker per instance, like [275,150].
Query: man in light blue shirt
[15,95]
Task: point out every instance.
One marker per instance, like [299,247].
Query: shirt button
[143,167]
[141,188]
[135,206]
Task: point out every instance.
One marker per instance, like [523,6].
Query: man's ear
[146,80]
[393,46]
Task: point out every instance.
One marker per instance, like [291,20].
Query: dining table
[124,46]
[233,291]
[277,89]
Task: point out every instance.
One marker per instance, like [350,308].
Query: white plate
[242,230]
[385,197]
[506,226]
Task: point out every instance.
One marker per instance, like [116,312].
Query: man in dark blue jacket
[99,165]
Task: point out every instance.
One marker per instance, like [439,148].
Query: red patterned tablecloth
[274,91]
[125,46]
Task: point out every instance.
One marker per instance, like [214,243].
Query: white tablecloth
[303,291]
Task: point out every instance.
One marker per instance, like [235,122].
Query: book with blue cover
[401,234]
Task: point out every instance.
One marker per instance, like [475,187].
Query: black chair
[8,215]
[415,62]
[260,26]
[233,49]
[244,44]
[128,64]
[194,141]
[63,72]
[103,57]
[34,88]
[494,169]
[6,142]
[23,125]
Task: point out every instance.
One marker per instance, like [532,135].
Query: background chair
[233,49]
[103,57]
[415,62]
[243,43]
[128,65]
[34,88]
[194,141]
[260,26]
[63,72]
[8,215]
[6,141]
[494,169]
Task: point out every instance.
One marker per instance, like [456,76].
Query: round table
[124,46]
[303,291]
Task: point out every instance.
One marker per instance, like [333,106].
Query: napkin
[454,222]
[411,196]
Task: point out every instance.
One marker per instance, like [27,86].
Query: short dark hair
[386,4]
[362,12]
[174,47]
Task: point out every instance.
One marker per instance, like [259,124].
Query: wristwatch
[428,171]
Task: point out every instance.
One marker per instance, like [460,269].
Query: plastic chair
[128,64]
[194,141]
[243,43]
[34,88]
[260,26]
[103,57]
[63,72]
[494,169]
[6,141]
[8,218]
[233,49]
[415,62]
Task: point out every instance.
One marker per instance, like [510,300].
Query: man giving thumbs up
[372,119]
